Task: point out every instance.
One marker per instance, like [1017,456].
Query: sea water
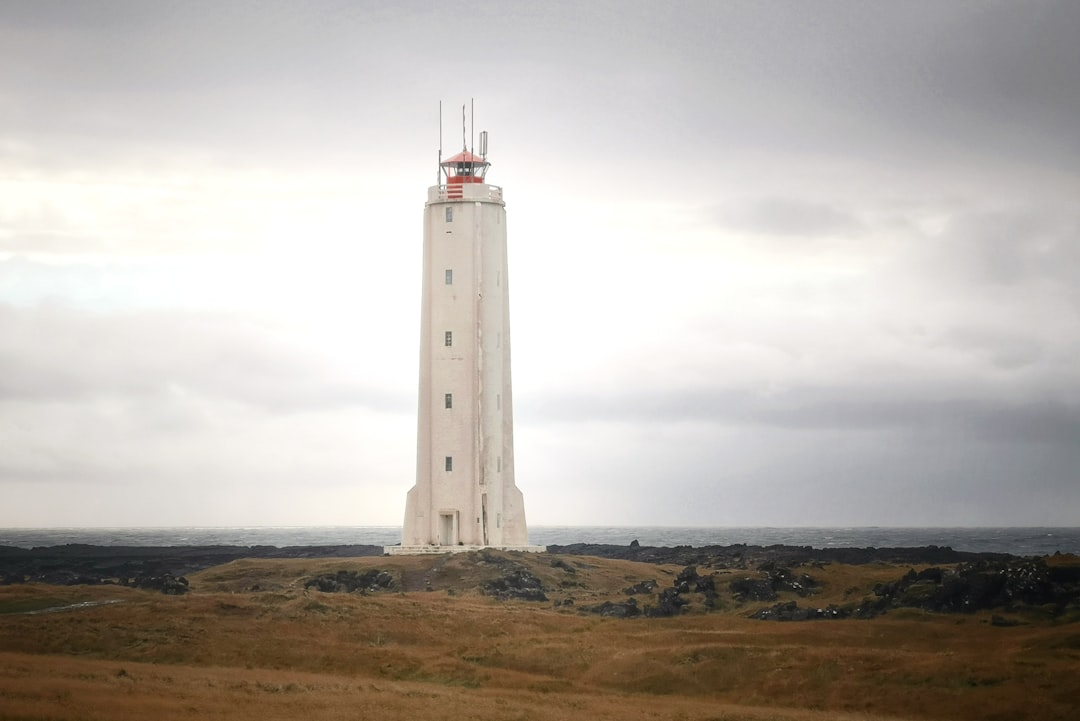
[1017,541]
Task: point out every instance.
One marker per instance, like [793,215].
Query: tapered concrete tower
[465,496]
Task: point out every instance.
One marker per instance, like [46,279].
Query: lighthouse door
[447,531]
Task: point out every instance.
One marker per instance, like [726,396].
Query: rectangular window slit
[449,214]
[449,339]
[449,400]
[449,463]
[449,276]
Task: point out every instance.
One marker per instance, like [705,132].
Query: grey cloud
[895,82]
[790,217]
[1011,247]
[1005,349]
[844,77]
[846,407]
[53,353]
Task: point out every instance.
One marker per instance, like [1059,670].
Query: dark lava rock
[629,609]
[752,589]
[982,584]
[686,576]
[774,579]
[668,603]
[784,579]
[975,586]
[166,583]
[519,583]
[350,581]
[739,555]
[641,587]
[791,611]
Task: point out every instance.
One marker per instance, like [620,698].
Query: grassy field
[250,642]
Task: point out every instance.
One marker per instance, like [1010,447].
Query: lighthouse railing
[465,191]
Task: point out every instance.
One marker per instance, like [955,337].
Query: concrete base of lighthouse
[426,550]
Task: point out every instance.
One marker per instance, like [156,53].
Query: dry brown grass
[225,651]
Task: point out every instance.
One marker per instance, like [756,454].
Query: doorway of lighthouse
[448,528]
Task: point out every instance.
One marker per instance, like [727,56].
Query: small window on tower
[449,463]
[449,214]
[449,338]
[498,464]
[449,276]
[449,400]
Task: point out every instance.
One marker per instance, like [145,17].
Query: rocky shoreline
[143,566]
[87,564]
[741,555]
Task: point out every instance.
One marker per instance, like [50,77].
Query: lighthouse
[465,496]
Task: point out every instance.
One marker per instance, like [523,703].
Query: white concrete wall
[477,432]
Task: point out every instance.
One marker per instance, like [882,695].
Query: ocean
[1017,541]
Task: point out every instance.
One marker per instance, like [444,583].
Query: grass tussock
[251,642]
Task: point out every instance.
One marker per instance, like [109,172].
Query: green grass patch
[30,605]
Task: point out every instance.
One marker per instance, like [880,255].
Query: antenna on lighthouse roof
[483,145]
[472,124]
[438,166]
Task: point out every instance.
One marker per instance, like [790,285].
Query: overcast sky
[772,263]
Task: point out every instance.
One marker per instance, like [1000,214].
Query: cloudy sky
[773,263]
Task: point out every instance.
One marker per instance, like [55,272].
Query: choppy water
[1017,541]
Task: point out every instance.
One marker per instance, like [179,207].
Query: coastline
[75,564]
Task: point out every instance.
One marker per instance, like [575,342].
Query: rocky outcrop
[365,582]
[518,583]
[982,585]
[641,587]
[770,580]
[166,583]
[668,603]
[791,611]
[627,609]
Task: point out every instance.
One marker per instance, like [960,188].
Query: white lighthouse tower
[465,497]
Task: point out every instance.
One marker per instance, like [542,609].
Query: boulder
[628,609]
[668,603]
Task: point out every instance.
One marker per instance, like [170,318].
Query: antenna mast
[438,166]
